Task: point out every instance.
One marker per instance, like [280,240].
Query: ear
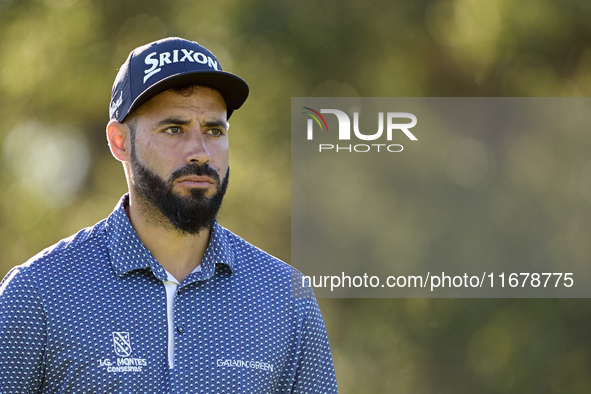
[119,138]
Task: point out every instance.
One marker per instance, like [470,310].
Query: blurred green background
[58,59]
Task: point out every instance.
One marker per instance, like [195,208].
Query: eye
[172,130]
[216,132]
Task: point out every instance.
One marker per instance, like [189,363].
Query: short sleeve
[315,370]
[22,334]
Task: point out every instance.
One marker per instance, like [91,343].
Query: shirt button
[180,329]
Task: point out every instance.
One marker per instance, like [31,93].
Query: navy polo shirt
[88,315]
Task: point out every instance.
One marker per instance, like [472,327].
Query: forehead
[192,100]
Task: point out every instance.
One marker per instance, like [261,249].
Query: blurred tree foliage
[58,59]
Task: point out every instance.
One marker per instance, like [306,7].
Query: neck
[179,253]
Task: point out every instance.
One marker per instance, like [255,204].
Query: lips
[195,175]
[196,180]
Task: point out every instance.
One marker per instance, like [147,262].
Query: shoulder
[265,268]
[246,255]
[77,247]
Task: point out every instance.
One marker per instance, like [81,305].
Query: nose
[197,148]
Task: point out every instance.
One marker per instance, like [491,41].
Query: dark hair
[131,122]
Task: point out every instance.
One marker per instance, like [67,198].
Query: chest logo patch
[122,344]
[123,350]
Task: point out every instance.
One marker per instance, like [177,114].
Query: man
[158,297]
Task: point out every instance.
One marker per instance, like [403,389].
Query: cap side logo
[157,60]
[115,105]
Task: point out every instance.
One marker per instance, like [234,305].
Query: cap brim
[233,89]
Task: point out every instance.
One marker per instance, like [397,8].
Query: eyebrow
[173,120]
[215,123]
[183,122]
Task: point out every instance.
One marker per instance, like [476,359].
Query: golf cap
[168,63]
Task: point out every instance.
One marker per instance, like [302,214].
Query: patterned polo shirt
[88,315]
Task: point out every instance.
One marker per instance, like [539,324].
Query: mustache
[195,169]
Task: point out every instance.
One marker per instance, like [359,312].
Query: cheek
[153,156]
[150,147]
[222,168]
[221,160]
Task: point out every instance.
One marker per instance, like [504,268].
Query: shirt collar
[127,252]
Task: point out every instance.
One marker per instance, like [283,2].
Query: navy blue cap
[171,62]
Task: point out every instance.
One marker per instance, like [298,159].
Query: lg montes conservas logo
[392,125]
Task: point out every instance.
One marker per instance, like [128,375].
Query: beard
[188,214]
